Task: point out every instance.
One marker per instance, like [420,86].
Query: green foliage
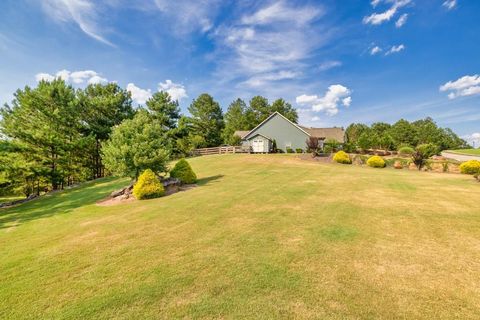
[376,162]
[422,153]
[290,150]
[148,186]
[235,119]
[285,109]
[206,120]
[274,146]
[391,137]
[136,145]
[299,150]
[342,157]
[183,172]
[470,167]
[406,151]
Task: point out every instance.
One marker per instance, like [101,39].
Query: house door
[258,146]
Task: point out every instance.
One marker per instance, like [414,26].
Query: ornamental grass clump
[183,172]
[406,151]
[470,167]
[376,162]
[342,157]
[148,186]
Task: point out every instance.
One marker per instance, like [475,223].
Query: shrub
[299,150]
[422,153]
[376,162]
[342,157]
[470,167]
[183,172]
[406,151]
[327,149]
[290,150]
[148,186]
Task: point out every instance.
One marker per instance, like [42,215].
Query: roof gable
[276,113]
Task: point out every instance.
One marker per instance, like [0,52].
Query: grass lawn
[262,237]
[469,152]
[9,198]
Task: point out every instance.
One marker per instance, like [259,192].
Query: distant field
[261,237]
[470,152]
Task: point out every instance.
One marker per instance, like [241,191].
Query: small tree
[422,153]
[183,172]
[136,145]
[148,186]
[312,145]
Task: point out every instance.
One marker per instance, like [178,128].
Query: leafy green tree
[206,120]
[102,106]
[44,121]
[422,153]
[403,132]
[235,119]
[258,110]
[164,110]
[354,131]
[136,145]
[285,109]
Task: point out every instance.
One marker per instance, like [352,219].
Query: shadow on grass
[59,203]
[207,180]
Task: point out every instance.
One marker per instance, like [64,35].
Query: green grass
[261,237]
[9,198]
[469,152]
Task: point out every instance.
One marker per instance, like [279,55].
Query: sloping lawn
[262,237]
[469,152]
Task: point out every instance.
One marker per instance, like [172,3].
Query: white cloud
[278,12]
[473,139]
[175,90]
[450,4]
[375,3]
[375,50]
[379,18]
[82,12]
[402,20]
[44,76]
[188,16]
[140,96]
[464,86]
[268,45]
[329,103]
[315,118]
[395,49]
[75,77]
[329,65]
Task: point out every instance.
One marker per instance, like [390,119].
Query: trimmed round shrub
[342,157]
[183,172]
[376,162]
[290,150]
[148,186]
[470,167]
[299,150]
[406,151]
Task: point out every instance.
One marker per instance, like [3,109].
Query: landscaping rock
[397,165]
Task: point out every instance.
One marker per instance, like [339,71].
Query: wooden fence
[218,150]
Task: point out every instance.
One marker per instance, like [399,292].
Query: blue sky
[336,61]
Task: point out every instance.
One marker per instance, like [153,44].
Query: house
[286,134]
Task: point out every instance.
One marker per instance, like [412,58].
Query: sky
[336,61]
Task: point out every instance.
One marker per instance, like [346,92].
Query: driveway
[459,157]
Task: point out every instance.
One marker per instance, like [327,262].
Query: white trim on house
[268,118]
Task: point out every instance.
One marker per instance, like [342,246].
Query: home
[286,134]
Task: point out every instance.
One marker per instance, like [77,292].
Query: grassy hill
[262,237]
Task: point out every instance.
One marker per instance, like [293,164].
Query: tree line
[381,135]
[54,135]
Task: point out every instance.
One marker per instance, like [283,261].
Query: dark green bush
[290,150]
[148,186]
[299,150]
[183,172]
